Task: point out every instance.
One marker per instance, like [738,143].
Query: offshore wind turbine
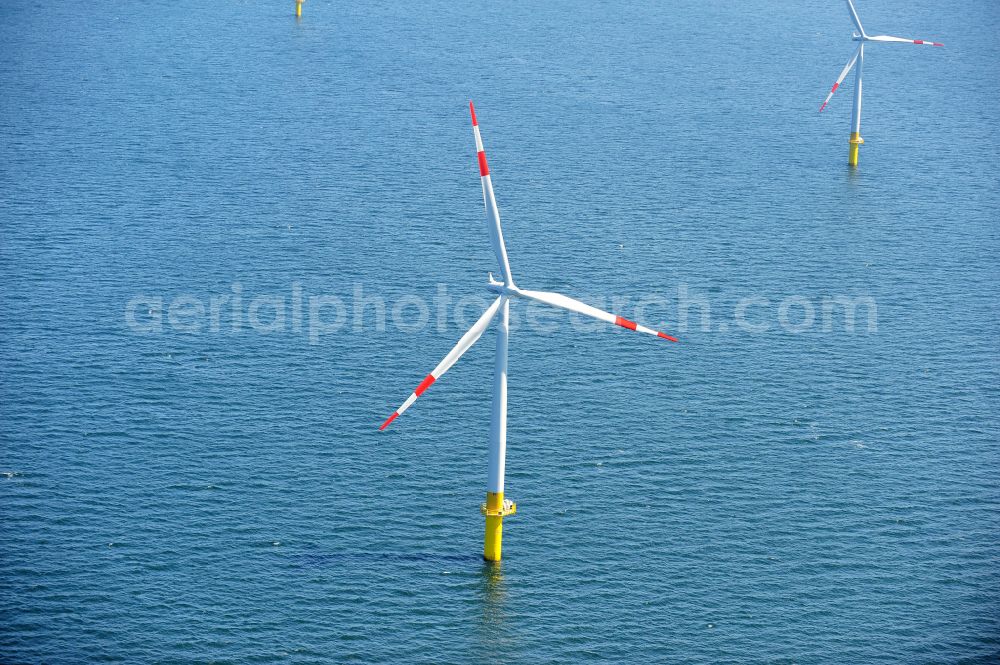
[496,506]
[859,57]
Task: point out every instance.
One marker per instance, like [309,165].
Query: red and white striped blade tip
[420,390]
[829,96]
[472,110]
[632,325]
[388,420]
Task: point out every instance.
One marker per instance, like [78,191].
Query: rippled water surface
[199,493]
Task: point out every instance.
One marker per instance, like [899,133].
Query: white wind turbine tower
[496,507]
[859,57]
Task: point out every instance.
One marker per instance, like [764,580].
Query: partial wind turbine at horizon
[858,58]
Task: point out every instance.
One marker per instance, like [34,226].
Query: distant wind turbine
[859,57]
[496,507]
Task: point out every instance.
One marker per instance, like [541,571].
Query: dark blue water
[777,488]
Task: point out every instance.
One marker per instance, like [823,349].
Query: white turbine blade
[490,202]
[887,38]
[464,344]
[854,17]
[565,302]
[840,79]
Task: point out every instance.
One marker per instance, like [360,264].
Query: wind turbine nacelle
[500,288]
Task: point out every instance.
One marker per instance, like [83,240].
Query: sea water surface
[773,489]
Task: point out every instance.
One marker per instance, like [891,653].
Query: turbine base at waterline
[494,509]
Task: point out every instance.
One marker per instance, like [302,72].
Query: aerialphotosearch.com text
[318,316]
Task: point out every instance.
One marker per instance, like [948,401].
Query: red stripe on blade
[666,336]
[936,44]
[483,168]
[918,41]
[389,420]
[424,385]
[834,88]
[472,110]
[625,323]
[822,107]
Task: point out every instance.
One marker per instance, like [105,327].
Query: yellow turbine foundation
[298,9]
[495,509]
[855,142]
